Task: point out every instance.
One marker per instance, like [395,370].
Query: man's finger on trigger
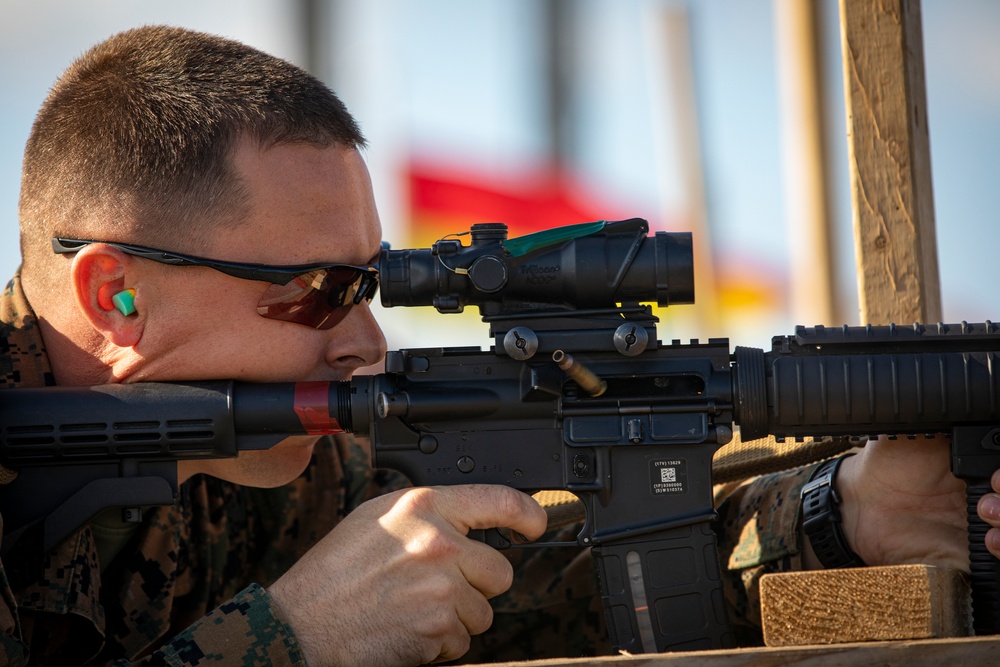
[481,506]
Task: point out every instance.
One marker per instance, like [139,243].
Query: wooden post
[803,142]
[893,210]
[889,153]
[676,26]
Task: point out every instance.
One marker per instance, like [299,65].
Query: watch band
[821,521]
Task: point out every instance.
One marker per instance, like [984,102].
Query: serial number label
[668,476]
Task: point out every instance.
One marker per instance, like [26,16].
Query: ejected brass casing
[584,377]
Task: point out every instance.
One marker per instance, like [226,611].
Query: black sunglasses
[317,296]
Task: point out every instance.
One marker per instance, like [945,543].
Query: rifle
[576,393]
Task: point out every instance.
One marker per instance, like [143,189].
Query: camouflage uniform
[188,588]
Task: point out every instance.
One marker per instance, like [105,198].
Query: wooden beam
[925,653]
[864,604]
[889,153]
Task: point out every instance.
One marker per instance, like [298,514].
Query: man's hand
[901,504]
[398,582]
[989,511]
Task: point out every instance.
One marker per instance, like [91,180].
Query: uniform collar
[23,361]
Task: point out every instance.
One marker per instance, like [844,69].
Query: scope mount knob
[520,343]
[631,339]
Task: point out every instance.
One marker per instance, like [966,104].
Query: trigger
[492,536]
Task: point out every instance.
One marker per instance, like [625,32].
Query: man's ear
[99,272]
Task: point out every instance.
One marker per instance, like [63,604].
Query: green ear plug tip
[125,301]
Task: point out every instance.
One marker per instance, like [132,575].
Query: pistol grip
[663,591]
[975,454]
[984,567]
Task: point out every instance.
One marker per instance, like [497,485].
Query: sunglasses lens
[318,299]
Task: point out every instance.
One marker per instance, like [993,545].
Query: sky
[461,82]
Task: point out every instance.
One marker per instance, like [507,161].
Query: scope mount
[628,330]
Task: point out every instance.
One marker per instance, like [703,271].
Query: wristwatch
[821,519]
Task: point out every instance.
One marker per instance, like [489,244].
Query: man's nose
[356,341]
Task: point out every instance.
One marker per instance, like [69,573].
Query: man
[202,146]
[166,139]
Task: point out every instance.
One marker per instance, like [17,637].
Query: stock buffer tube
[79,450]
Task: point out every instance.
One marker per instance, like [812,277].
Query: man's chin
[266,468]
[279,465]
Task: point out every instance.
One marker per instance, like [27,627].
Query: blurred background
[541,113]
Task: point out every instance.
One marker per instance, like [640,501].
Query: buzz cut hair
[135,140]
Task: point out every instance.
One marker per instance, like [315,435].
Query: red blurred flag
[448,199]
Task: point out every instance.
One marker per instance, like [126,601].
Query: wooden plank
[923,653]
[863,604]
[889,154]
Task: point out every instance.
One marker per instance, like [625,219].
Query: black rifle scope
[587,266]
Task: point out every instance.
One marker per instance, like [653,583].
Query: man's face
[308,206]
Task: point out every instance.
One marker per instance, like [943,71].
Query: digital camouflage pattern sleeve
[758,533]
[246,630]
